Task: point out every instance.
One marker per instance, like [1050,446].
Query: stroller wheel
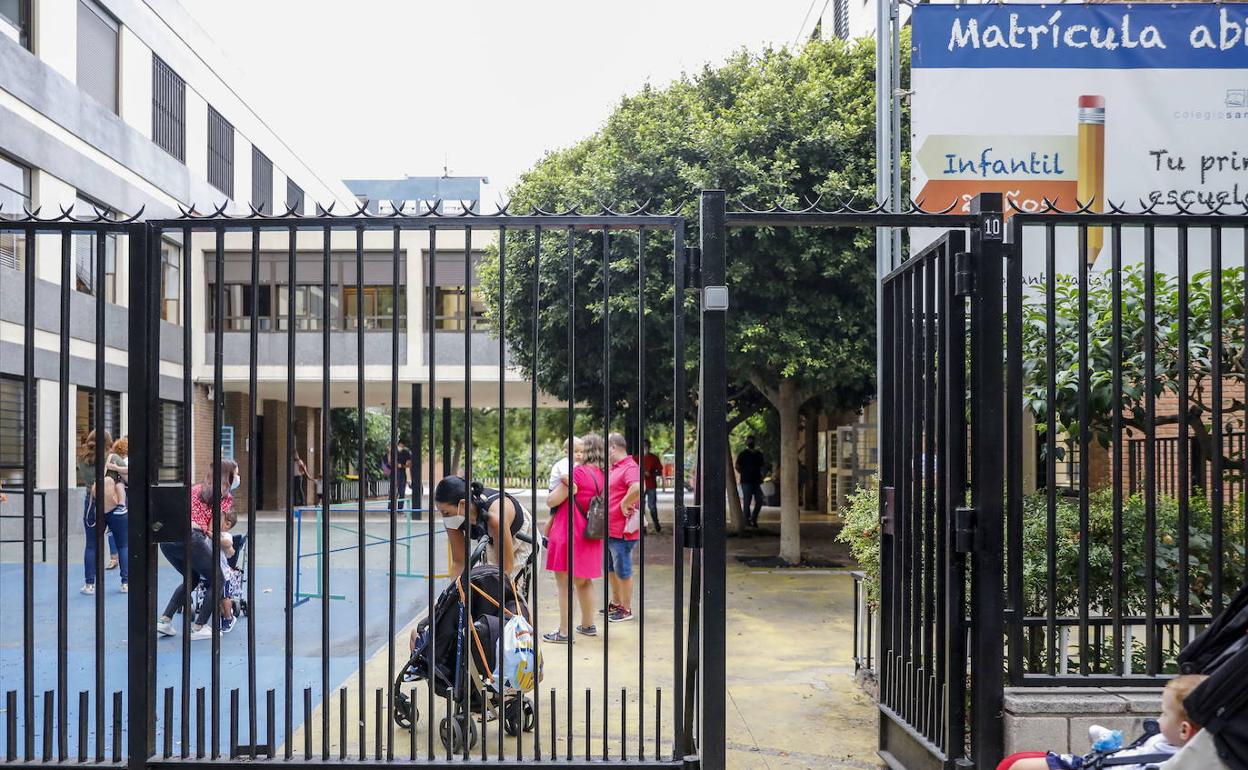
[528,715]
[243,609]
[472,730]
[405,711]
[452,735]
[518,716]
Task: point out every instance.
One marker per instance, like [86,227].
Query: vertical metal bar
[1014,446]
[84,718]
[392,597]
[233,727]
[116,736]
[377,718]
[218,419]
[49,706]
[606,474]
[504,536]
[288,652]
[62,507]
[188,400]
[1152,653]
[29,448]
[658,719]
[362,471]
[200,707]
[144,348]
[1116,465]
[930,322]
[679,259]
[624,711]
[1215,378]
[470,503]
[571,344]
[168,722]
[1243,441]
[101,451]
[270,724]
[714,438]
[537,634]
[412,733]
[554,723]
[1084,385]
[253,464]
[989,474]
[326,468]
[1050,440]
[430,294]
[307,723]
[588,722]
[1185,595]
[641,452]
[342,724]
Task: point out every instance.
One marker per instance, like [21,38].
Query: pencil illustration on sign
[1091,189]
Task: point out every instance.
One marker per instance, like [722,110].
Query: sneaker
[554,637]
[125,588]
[166,628]
[619,614]
[611,607]
[590,630]
[203,632]
[88,589]
[227,624]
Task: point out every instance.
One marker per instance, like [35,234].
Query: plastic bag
[521,662]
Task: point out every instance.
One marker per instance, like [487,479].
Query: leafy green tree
[1136,379]
[776,127]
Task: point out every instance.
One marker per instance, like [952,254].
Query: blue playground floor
[269,623]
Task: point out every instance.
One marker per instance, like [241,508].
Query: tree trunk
[456,449]
[736,516]
[790,508]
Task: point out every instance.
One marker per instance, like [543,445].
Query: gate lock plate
[963,274]
[693,526]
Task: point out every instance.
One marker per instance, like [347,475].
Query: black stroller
[459,666]
[235,590]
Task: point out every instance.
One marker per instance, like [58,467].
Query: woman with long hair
[586,483]
[112,502]
[204,497]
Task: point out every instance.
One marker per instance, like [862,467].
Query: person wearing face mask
[493,515]
[199,559]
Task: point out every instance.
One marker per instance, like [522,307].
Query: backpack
[595,515]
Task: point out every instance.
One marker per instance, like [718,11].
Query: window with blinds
[12,430]
[261,181]
[840,18]
[220,153]
[97,53]
[294,196]
[168,109]
[169,449]
[170,281]
[14,200]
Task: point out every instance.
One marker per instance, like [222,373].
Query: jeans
[621,560]
[298,500]
[202,568]
[751,492]
[118,523]
[652,502]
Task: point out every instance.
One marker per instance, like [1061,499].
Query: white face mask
[236,482]
[453,522]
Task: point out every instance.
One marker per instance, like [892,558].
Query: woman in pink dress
[587,483]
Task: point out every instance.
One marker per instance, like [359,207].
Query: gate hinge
[691,762]
[693,527]
[693,267]
[964,530]
[888,512]
[963,274]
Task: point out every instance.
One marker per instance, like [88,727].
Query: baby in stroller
[233,575]
[456,651]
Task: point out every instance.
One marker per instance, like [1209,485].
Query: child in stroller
[459,658]
[233,574]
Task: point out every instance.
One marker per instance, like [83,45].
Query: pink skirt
[586,554]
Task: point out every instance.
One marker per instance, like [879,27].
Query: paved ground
[792,702]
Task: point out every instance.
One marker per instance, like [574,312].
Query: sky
[388,88]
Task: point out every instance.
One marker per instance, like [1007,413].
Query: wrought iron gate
[287,299]
[942,500]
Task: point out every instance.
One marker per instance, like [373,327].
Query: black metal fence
[320,687]
[1125,342]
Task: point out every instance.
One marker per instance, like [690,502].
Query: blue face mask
[236,482]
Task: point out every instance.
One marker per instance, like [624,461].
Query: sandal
[554,637]
[112,563]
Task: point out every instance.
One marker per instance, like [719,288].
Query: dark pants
[202,568]
[298,499]
[752,492]
[652,502]
[400,488]
[117,523]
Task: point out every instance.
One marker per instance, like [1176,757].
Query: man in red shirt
[651,467]
[623,526]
